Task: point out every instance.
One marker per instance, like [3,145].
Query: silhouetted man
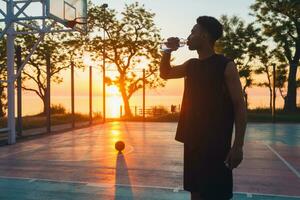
[212,102]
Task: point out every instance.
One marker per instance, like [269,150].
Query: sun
[113,90]
[114,101]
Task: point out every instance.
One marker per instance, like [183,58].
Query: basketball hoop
[77,20]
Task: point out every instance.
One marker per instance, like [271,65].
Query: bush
[58,109]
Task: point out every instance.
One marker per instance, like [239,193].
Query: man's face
[198,38]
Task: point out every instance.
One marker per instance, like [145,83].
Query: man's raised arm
[168,72]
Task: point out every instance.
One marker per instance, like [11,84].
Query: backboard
[64,11]
[2,15]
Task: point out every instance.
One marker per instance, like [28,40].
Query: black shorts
[205,173]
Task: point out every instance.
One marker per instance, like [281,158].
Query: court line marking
[106,185]
[250,194]
[284,161]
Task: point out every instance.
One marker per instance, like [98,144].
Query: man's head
[205,33]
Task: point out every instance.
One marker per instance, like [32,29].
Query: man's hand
[234,157]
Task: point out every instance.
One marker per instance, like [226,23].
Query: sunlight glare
[114,101]
[87,60]
[113,90]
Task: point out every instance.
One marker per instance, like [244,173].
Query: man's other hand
[234,157]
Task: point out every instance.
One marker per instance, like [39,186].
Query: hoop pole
[10,73]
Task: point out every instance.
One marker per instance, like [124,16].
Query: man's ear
[205,36]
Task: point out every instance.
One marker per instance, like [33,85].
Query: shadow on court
[122,178]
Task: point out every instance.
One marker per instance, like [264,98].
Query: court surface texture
[83,164]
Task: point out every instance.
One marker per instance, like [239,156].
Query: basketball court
[83,164]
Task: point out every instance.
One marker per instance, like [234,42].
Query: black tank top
[206,116]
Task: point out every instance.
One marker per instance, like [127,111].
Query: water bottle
[166,45]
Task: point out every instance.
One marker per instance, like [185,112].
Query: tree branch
[135,88]
[58,70]
[281,94]
[33,90]
[293,37]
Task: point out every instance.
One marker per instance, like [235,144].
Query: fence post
[121,111]
[48,92]
[90,96]
[19,92]
[72,95]
[144,93]
[274,95]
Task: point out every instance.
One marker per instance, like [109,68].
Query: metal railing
[151,111]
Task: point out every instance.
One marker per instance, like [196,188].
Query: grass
[265,115]
[259,115]
[38,121]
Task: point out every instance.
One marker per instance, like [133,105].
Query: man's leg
[196,196]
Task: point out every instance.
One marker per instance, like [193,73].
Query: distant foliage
[58,109]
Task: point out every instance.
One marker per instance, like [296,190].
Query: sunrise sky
[174,18]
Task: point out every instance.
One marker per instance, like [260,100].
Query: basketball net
[78,20]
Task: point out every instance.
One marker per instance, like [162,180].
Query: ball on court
[120,146]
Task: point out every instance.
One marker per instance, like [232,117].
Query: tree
[35,70]
[280,21]
[73,46]
[240,42]
[266,69]
[132,43]
[281,79]
[3,77]
[267,60]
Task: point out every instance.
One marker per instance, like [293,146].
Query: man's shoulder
[224,61]
[224,58]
